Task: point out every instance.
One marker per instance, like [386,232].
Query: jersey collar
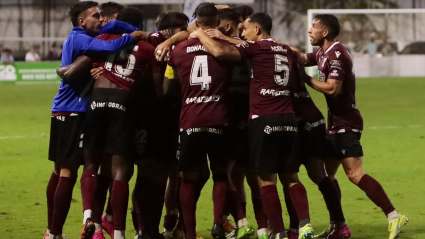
[327,50]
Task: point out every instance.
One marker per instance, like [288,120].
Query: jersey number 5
[199,73]
[282,69]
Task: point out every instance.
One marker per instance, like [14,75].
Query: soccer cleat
[278,236]
[340,233]
[142,235]
[98,235]
[228,226]
[167,234]
[306,232]
[292,235]
[396,225]
[88,229]
[108,227]
[325,233]
[46,236]
[178,232]
[217,232]
[244,232]
[231,235]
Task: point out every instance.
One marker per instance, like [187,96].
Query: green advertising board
[29,71]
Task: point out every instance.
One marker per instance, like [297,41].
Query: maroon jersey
[204,83]
[126,67]
[155,39]
[336,64]
[271,64]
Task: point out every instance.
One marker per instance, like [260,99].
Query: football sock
[50,195]
[272,207]
[220,189]
[235,206]
[393,215]
[338,188]
[333,203]
[170,222]
[293,216]
[119,203]
[260,216]
[102,185]
[261,231]
[180,221]
[141,202]
[300,202]
[119,234]
[156,202]
[376,193]
[88,184]
[242,223]
[62,202]
[87,214]
[108,209]
[188,205]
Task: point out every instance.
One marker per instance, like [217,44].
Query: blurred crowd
[54,54]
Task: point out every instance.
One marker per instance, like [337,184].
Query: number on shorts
[282,69]
[200,67]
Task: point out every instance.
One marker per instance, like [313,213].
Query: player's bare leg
[62,199]
[299,200]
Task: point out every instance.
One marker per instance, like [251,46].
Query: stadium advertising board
[26,71]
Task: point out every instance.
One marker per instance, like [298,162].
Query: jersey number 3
[199,74]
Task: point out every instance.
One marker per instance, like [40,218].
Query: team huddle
[217,89]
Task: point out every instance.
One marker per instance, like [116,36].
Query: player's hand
[162,50]
[215,33]
[96,72]
[139,35]
[168,33]
[194,34]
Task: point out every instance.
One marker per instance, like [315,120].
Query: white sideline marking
[21,137]
[393,127]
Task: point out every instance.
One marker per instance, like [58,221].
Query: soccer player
[272,124]
[204,83]
[244,12]
[345,124]
[68,109]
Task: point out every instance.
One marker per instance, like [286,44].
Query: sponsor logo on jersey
[244,44]
[113,105]
[271,129]
[195,48]
[202,99]
[336,63]
[275,92]
[322,76]
[337,53]
[278,48]
[204,130]
[309,126]
[334,73]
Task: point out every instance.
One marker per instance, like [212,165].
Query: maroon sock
[294,223]
[235,206]
[188,205]
[272,207]
[220,189]
[260,216]
[50,195]
[142,203]
[376,193]
[170,221]
[100,193]
[333,203]
[88,184]
[119,203]
[300,202]
[108,209]
[62,202]
[243,206]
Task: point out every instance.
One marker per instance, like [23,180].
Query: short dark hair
[207,14]
[331,22]
[79,8]
[244,11]
[200,5]
[131,15]
[171,20]
[262,19]
[108,9]
[228,14]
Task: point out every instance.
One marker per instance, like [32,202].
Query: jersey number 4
[199,73]
[282,69]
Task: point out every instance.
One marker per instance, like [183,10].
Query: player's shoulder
[187,43]
[106,36]
[338,51]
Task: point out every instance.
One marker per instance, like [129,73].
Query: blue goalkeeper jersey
[71,96]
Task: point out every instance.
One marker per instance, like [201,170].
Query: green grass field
[393,143]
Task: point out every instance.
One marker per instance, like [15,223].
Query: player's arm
[330,87]
[227,53]
[164,48]
[80,67]
[215,33]
[93,46]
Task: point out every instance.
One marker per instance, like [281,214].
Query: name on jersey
[274,92]
[195,48]
[309,126]
[278,48]
[204,130]
[271,129]
[202,99]
[113,105]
